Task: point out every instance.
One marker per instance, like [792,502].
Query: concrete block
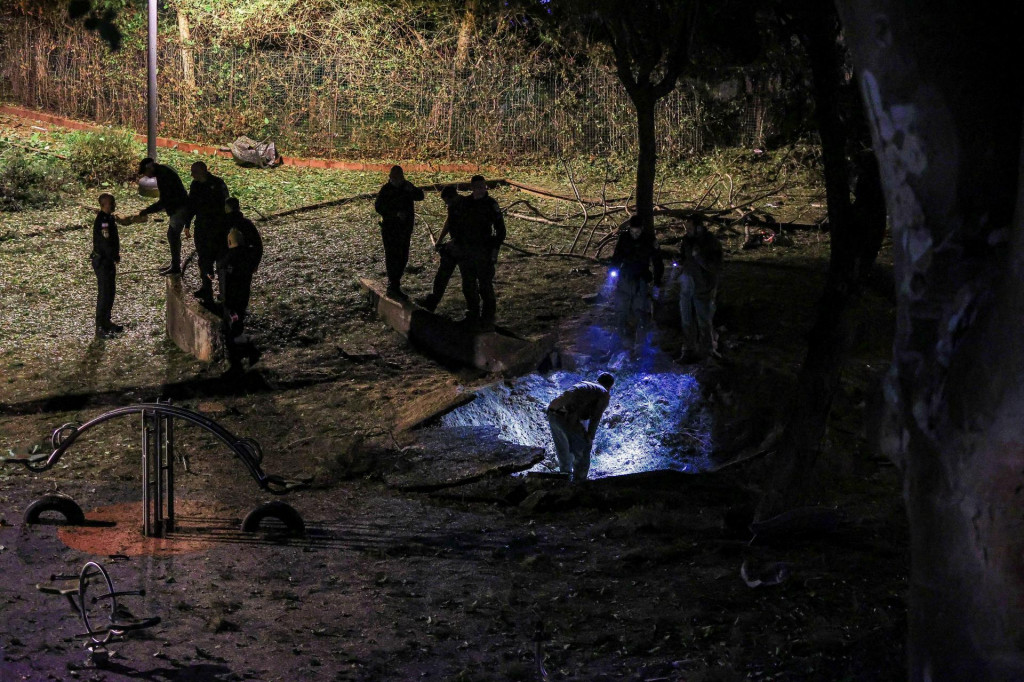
[497,351]
[193,328]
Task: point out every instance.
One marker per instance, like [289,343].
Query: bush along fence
[332,106]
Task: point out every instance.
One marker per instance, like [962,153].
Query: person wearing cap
[699,271]
[206,197]
[637,260]
[574,417]
[483,232]
[395,205]
[447,250]
[174,201]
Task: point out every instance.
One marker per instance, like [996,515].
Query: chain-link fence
[333,106]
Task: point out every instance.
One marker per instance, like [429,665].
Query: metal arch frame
[158,457]
[246,449]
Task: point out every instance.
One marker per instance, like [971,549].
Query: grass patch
[28,180]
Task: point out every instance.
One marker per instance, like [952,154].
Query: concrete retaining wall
[193,328]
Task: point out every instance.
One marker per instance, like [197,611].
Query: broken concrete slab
[495,351]
[193,328]
[433,405]
[445,457]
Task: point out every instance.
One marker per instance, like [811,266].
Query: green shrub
[109,157]
[28,180]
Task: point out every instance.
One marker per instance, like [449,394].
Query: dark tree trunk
[647,153]
[945,108]
[854,246]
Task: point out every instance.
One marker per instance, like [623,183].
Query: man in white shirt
[584,402]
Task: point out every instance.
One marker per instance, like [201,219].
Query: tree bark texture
[854,230]
[944,103]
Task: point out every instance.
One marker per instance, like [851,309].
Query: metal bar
[145,475]
[158,503]
[151,90]
[238,447]
[169,452]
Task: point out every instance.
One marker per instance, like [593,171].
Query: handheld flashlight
[613,273]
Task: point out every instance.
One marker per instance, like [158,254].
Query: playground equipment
[91,593]
[158,469]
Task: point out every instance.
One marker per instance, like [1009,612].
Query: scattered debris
[248,153]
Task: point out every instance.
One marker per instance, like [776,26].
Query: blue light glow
[613,273]
[655,420]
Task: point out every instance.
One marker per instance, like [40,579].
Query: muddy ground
[628,578]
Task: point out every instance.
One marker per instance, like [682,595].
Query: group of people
[574,415]
[228,249]
[475,231]
[638,269]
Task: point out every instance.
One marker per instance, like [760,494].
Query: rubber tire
[276,509]
[68,508]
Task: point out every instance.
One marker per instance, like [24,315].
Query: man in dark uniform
[447,250]
[395,205]
[106,254]
[584,402]
[173,200]
[253,239]
[480,233]
[235,268]
[636,255]
[206,199]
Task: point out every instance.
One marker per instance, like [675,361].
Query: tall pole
[151,64]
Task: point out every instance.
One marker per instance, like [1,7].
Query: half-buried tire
[62,504]
[278,510]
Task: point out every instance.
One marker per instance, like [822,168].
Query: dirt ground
[624,578]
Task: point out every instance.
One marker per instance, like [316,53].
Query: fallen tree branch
[541,192]
[548,254]
[583,206]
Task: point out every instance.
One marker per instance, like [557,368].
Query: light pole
[151,64]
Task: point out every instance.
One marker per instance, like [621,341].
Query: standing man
[206,199]
[448,251]
[584,402]
[699,273]
[173,200]
[106,254]
[636,255]
[253,239]
[235,268]
[484,227]
[395,205]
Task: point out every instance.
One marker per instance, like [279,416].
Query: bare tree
[651,43]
